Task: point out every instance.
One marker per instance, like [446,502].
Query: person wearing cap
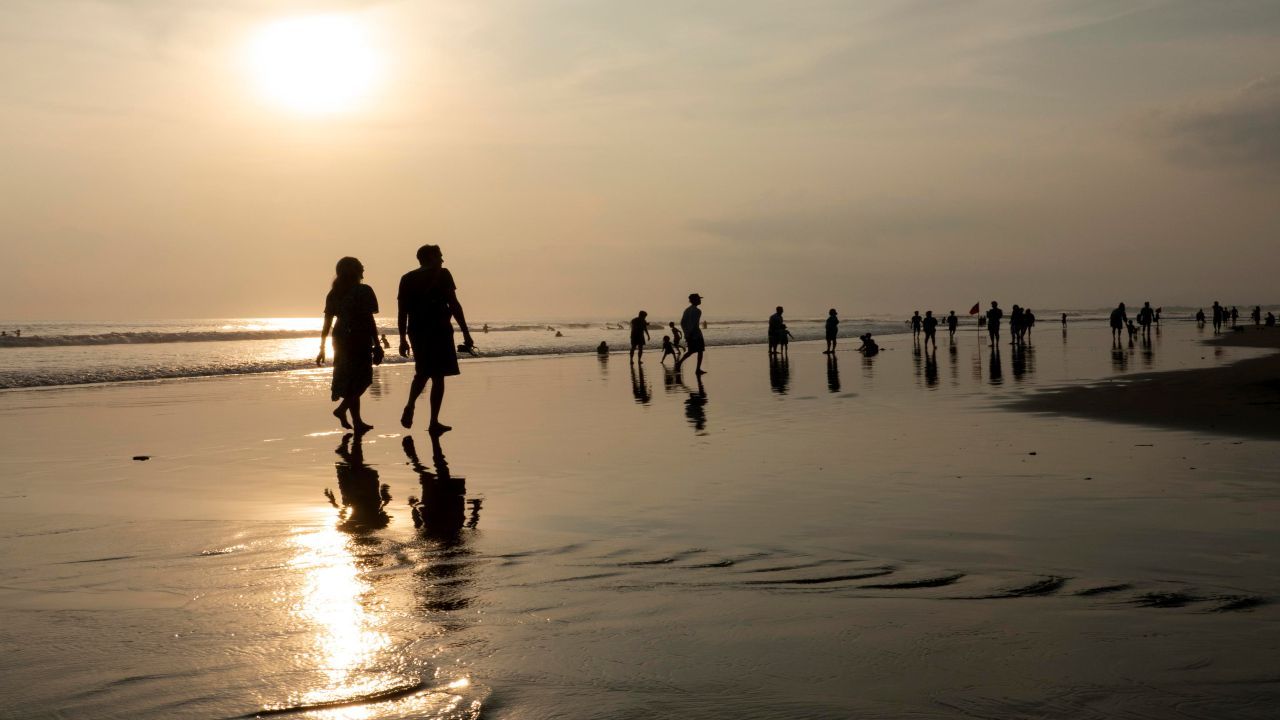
[639,335]
[690,322]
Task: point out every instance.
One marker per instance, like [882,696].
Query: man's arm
[462,320]
[402,320]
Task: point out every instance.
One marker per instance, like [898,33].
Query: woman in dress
[355,340]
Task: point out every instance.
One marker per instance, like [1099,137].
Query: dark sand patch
[1242,399]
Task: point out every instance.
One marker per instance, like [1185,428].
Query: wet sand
[878,538]
[1239,399]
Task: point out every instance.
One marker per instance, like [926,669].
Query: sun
[314,65]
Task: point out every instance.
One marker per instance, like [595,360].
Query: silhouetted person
[833,374]
[1200,317]
[1219,314]
[953,322]
[1257,315]
[1271,319]
[930,325]
[677,338]
[668,349]
[17,332]
[1015,325]
[1146,316]
[386,344]
[352,304]
[429,304]
[993,323]
[776,330]
[1064,319]
[785,340]
[1028,322]
[1235,316]
[833,330]
[361,500]
[1133,332]
[916,324]
[602,348]
[639,336]
[868,348]
[485,328]
[1119,319]
[691,322]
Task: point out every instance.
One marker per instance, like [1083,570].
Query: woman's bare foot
[406,417]
[342,418]
[362,428]
[438,428]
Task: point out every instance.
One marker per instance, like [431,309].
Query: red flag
[974,310]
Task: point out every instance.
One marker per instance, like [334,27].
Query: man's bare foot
[438,428]
[406,417]
[362,428]
[342,418]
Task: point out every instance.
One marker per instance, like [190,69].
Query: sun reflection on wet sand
[337,603]
[357,658]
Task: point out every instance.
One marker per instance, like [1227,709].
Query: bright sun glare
[314,65]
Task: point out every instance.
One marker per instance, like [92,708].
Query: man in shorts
[429,304]
[639,335]
[691,323]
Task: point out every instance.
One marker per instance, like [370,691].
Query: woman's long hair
[349,273]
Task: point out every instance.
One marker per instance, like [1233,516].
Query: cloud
[1242,131]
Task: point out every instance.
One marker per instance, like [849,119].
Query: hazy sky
[587,159]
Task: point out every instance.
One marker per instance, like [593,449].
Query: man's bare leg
[437,399]
[415,389]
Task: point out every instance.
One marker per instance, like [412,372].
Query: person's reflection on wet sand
[639,387]
[604,364]
[440,514]
[695,408]
[1119,358]
[994,370]
[833,373]
[1018,362]
[931,366]
[779,373]
[1148,352]
[445,569]
[670,380]
[361,499]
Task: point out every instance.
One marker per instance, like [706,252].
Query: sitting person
[868,346]
[602,348]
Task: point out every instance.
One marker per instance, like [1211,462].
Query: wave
[147,338]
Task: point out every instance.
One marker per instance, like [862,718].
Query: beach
[910,535]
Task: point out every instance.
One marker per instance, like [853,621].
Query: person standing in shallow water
[429,304]
[1218,314]
[348,311]
[1119,320]
[691,322]
[639,335]
[952,323]
[930,326]
[833,330]
[993,323]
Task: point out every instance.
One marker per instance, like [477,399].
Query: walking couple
[428,305]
